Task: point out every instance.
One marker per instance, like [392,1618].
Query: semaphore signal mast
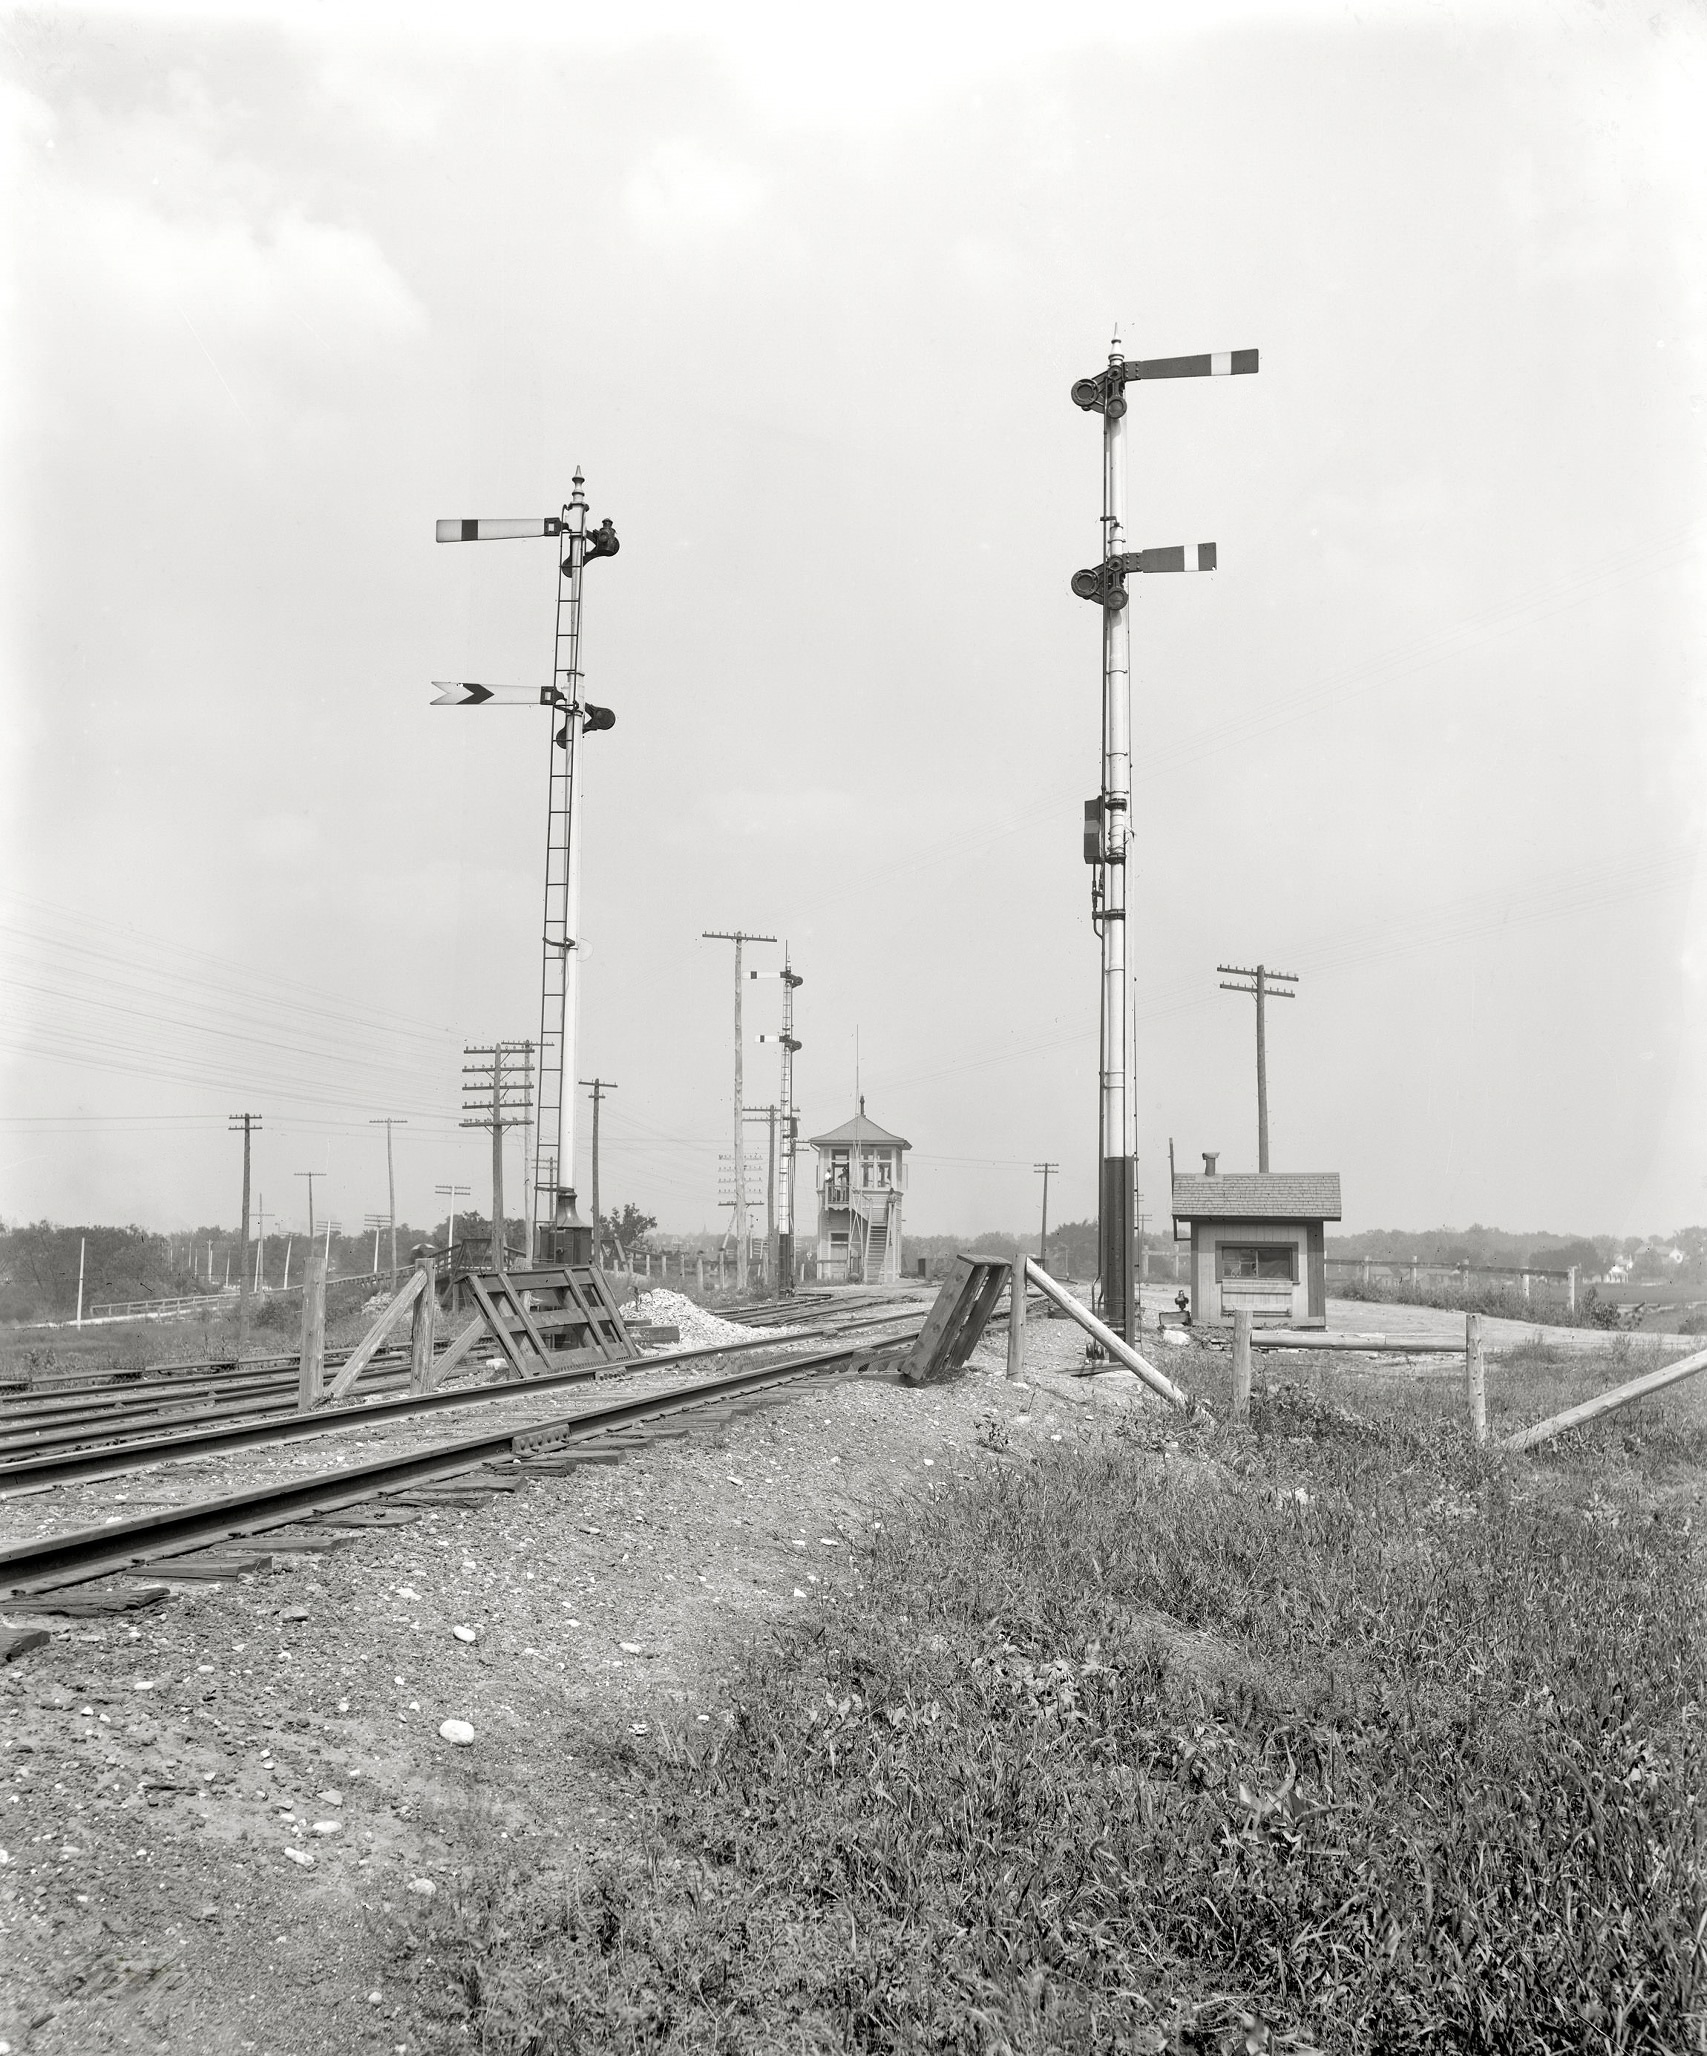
[1108,830]
[558,1234]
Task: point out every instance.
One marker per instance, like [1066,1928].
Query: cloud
[682,190]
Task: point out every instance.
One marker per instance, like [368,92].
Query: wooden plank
[1475,1377]
[1602,1403]
[1016,1317]
[945,1313]
[1164,1387]
[500,1330]
[1241,1367]
[364,1349]
[426,1320]
[458,1349]
[571,1286]
[312,1363]
[536,1340]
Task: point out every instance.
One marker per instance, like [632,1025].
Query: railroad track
[304,1513]
[73,1457]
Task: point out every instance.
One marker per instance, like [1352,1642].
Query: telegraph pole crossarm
[1263,985]
[1108,829]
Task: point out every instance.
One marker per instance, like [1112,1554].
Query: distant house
[1616,1274]
[1258,1243]
[861,1177]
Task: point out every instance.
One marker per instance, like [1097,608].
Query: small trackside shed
[1258,1243]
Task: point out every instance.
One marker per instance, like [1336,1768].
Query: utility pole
[248,1123]
[1263,985]
[374,1223]
[769,1116]
[791,982]
[452,1193]
[497,1092]
[388,1122]
[1108,827]
[598,1087]
[310,1176]
[739,937]
[1043,1232]
[557,1235]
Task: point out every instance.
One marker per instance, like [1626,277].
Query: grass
[1337,1734]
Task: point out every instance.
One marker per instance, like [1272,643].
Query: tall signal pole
[598,1087]
[769,1116]
[388,1122]
[1043,1232]
[498,1092]
[791,982]
[558,1234]
[263,1217]
[1263,984]
[1108,824]
[739,937]
[310,1176]
[248,1123]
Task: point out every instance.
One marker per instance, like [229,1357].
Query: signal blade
[1213,364]
[463,693]
[497,531]
[1176,557]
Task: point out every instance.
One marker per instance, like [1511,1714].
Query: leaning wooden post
[1475,1377]
[1571,1288]
[1242,1365]
[1016,1317]
[421,1334]
[311,1376]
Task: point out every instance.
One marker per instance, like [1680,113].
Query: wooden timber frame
[550,1317]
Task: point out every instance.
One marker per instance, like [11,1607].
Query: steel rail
[55,1560]
[86,1465]
[108,1426]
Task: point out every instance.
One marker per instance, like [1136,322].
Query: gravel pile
[675,1310]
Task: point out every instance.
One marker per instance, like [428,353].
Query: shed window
[1271,1260]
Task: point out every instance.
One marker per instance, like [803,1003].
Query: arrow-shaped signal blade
[497,531]
[462,693]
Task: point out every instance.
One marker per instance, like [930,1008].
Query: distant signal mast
[558,1233]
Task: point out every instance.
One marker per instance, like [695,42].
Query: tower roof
[859,1129]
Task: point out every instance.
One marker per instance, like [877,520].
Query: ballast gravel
[170,1881]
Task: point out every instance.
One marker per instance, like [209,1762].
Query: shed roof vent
[1209,1160]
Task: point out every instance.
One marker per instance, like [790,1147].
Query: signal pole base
[1117,1238]
[568,1240]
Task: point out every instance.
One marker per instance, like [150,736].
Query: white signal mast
[1108,829]
[558,1233]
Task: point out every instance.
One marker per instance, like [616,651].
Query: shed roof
[1257,1196]
[859,1129]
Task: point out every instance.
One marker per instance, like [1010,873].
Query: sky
[279,287]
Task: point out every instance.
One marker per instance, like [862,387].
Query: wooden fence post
[1475,1377]
[310,1377]
[1242,1366]
[1016,1317]
[1571,1288]
[421,1333]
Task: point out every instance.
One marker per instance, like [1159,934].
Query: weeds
[1326,1735]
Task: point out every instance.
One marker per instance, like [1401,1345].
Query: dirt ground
[219,1813]
[220,1816]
